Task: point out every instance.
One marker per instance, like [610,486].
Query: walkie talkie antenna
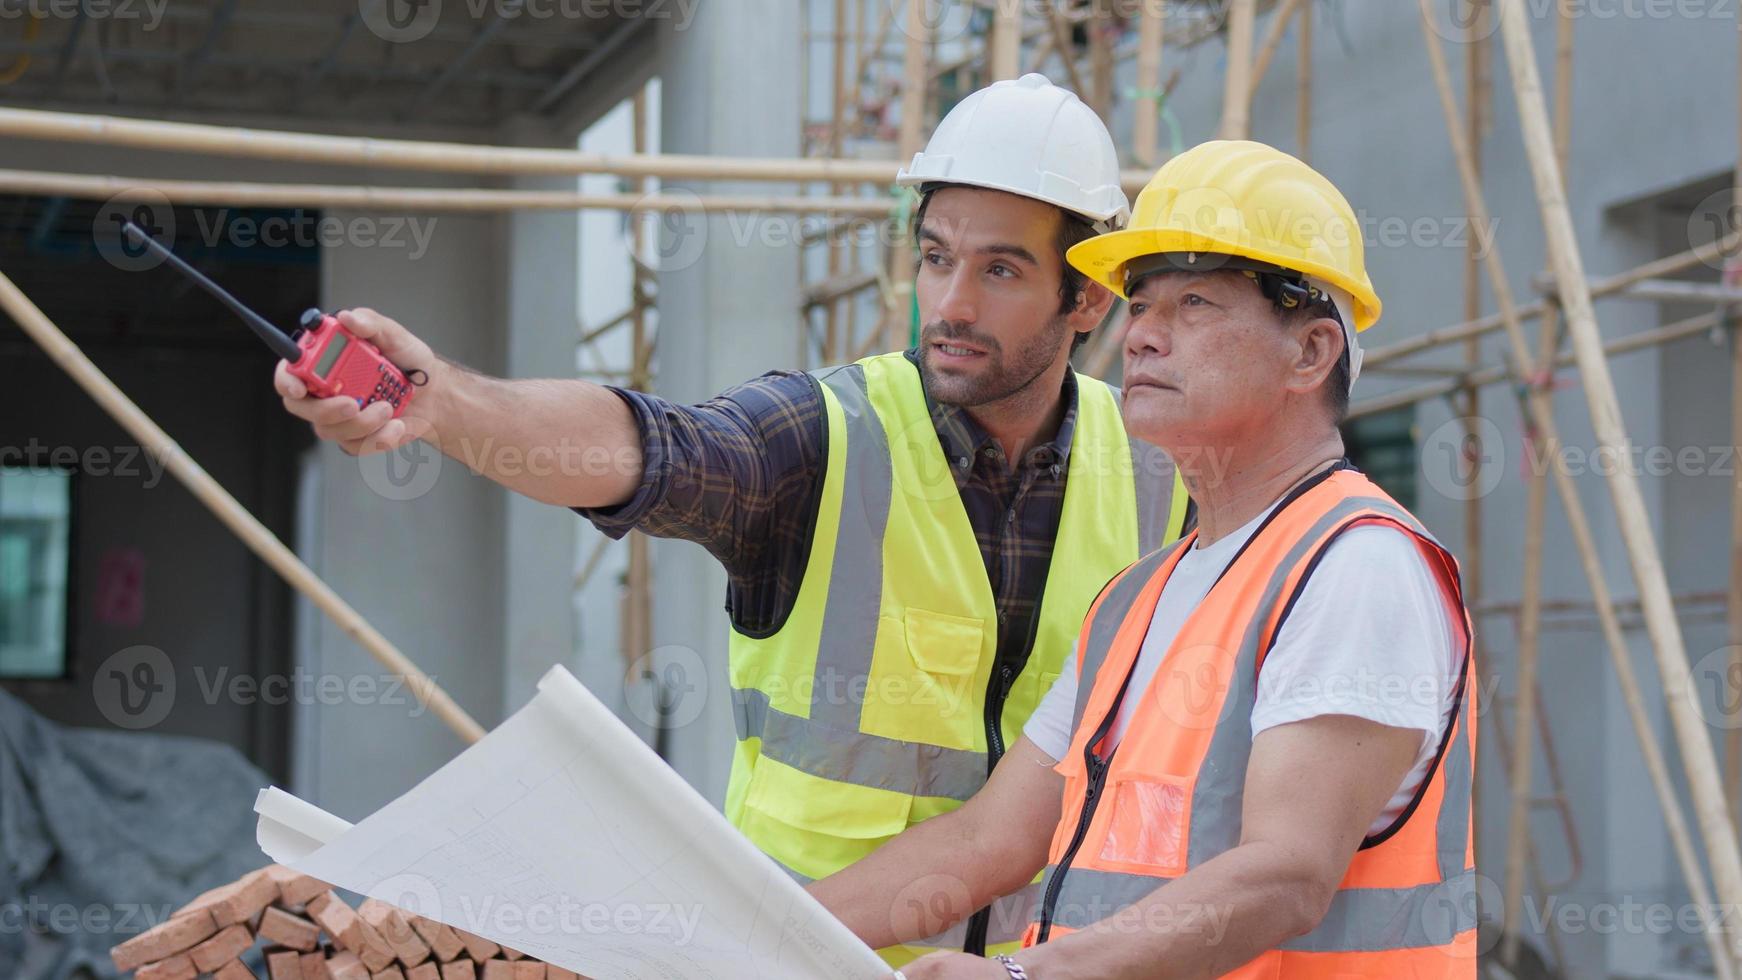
[275,338]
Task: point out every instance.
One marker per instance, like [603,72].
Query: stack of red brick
[312,934]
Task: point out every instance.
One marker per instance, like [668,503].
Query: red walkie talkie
[329,359]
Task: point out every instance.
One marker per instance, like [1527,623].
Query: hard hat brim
[1103,259]
[1103,221]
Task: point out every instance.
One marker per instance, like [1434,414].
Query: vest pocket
[1148,827]
[941,643]
[926,682]
[817,826]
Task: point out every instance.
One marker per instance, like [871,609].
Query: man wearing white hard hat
[912,540]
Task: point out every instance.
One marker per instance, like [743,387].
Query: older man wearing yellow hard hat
[1258,762]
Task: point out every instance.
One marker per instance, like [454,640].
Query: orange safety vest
[1169,798]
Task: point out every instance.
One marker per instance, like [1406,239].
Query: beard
[1000,375]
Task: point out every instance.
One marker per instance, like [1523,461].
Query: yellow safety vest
[864,713]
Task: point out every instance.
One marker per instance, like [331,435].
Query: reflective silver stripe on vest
[851,756]
[1218,795]
[1009,920]
[1453,829]
[829,744]
[1375,919]
[1105,624]
[1360,920]
[855,596]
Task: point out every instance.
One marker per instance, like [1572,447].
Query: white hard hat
[1032,138]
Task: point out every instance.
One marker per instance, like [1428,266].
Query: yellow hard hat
[1240,198]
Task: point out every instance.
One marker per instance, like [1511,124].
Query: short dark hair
[1072,229]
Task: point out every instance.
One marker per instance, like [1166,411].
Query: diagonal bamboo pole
[212,494]
[1607,286]
[1495,373]
[1476,78]
[1272,40]
[1520,847]
[1711,810]
[1543,419]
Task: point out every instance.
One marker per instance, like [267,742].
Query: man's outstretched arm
[565,442]
[738,474]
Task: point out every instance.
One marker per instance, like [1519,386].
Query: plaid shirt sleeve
[738,474]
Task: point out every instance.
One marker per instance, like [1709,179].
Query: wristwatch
[1012,967]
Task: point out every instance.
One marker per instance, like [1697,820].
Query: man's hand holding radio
[372,429]
[565,442]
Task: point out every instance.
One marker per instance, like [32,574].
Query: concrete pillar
[728,311]
[538,539]
[411,539]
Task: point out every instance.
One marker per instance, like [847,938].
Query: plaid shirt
[742,473]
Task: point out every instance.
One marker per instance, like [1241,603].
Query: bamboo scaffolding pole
[591,565]
[1146,105]
[1061,42]
[1476,59]
[1711,810]
[837,256]
[227,509]
[1543,418]
[1099,28]
[412,199]
[1733,598]
[637,629]
[1599,288]
[1237,81]
[1561,807]
[1520,848]
[1577,519]
[420,155]
[913,103]
[1006,58]
[884,24]
[1703,323]
[1273,35]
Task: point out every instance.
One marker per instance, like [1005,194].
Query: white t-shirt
[1370,636]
